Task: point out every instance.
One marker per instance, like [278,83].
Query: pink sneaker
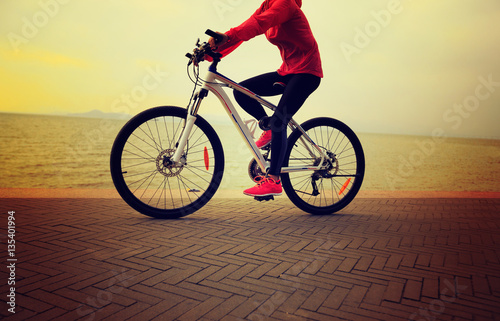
[266,186]
[265,139]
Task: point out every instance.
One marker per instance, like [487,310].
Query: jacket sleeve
[279,12]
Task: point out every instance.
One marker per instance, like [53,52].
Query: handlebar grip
[218,38]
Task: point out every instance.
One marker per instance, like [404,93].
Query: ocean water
[67,152]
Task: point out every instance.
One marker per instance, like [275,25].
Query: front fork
[188,126]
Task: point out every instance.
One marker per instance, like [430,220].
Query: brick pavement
[379,259]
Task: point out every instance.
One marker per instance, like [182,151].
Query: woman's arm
[279,11]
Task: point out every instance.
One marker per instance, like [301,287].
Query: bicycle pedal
[264,198]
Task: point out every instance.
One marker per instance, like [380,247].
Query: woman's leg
[262,85]
[298,88]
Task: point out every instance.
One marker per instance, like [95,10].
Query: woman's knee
[279,121]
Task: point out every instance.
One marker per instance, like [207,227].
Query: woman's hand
[214,45]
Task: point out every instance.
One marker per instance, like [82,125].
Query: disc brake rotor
[165,166]
[331,166]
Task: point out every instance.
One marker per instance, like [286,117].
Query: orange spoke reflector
[345,186]
[205,154]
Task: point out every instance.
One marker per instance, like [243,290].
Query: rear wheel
[331,189]
[146,178]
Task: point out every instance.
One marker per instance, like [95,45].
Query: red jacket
[285,26]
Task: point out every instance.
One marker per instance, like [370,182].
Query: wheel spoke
[329,189]
[142,170]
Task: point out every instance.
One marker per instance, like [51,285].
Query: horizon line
[124,116]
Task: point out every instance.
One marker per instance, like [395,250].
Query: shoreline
[20,193]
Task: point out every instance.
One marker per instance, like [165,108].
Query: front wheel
[333,187]
[146,178]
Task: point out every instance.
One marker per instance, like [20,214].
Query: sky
[391,66]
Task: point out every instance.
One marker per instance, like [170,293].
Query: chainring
[254,170]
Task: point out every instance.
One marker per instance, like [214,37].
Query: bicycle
[168,162]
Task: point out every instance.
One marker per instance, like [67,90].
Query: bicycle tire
[335,187]
[138,163]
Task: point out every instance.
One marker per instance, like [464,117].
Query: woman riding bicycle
[285,25]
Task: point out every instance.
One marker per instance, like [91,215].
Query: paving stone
[234,259]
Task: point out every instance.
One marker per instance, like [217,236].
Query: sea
[45,151]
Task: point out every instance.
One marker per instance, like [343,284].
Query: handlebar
[218,38]
[204,49]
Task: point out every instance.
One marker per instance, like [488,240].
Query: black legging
[298,88]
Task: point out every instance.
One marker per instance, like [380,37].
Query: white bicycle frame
[215,82]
